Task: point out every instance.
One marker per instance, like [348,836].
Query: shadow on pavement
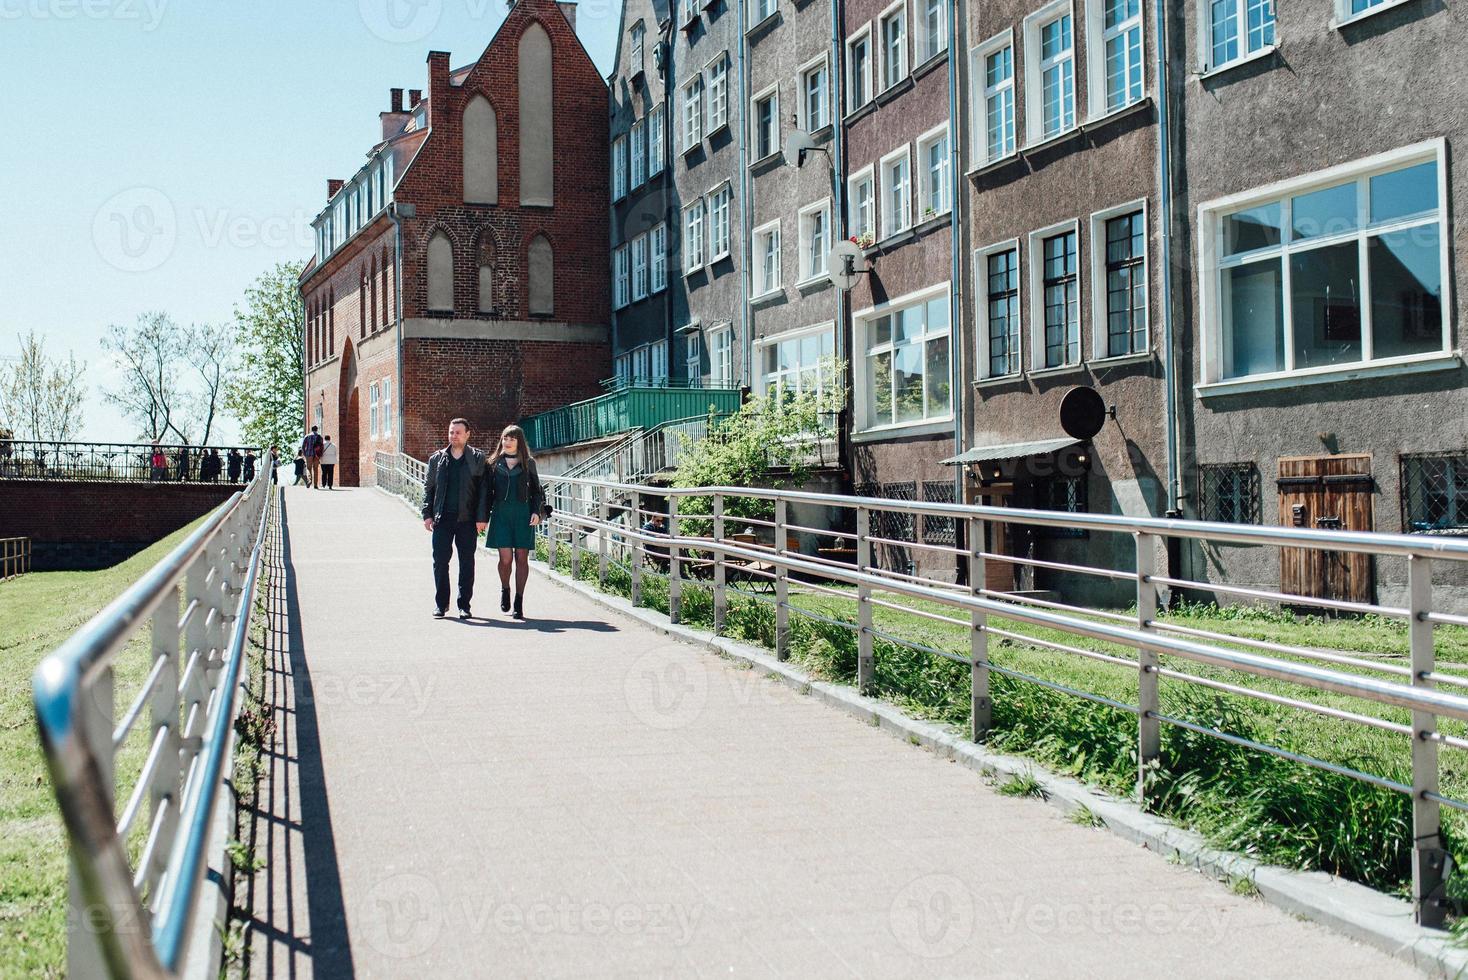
[539,625]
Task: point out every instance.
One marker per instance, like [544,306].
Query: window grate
[1071,495]
[1230,493]
[939,530]
[1434,492]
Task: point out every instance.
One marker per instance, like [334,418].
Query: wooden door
[1326,492]
[998,575]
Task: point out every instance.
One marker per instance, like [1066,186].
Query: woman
[515,502]
[329,456]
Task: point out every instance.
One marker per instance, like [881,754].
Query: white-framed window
[1050,72]
[1119,281]
[1348,10]
[892,35]
[933,172]
[717,73]
[905,361]
[997,307]
[1115,75]
[656,128]
[658,362]
[372,404]
[761,10]
[721,356]
[693,252]
[1055,296]
[931,29]
[764,123]
[619,168]
[765,270]
[798,362]
[639,35]
[814,106]
[693,357]
[1342,268]
[687,12]
[639,268]
[859,69]
[1232,30]
[719,204]
[861,199]
[993,77]
[386,428]
[637,140]
[641,364]
[657,246]
[896,192]
[619,276]
[693,113]
[815,239]
[622,367]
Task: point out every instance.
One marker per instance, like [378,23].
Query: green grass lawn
[38,612]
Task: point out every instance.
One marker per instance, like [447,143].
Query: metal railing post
[574,495]
[196,643]
[721,597]
[603,516]
[1429,857]
[638,549]
[865,663]
[84,956]
[1149,728]
[981,703]
[782,583]
[675,571]
[163,711]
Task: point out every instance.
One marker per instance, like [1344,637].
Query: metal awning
[1011,450]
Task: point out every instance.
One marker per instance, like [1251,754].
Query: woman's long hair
[521,444]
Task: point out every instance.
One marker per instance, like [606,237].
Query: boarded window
[481,164]
[440,273]
[542,277]
[537,144]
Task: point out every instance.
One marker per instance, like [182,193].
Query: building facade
[461,270]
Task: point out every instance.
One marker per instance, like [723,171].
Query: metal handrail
[191,697]
[587,523]
[22,459]
[401,474]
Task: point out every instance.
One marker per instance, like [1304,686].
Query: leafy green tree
[41,397]
[268,391]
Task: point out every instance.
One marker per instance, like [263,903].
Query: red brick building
[462,270]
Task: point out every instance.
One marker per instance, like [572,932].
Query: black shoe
[519,607]
[463,612]
[505,599]
[440,613]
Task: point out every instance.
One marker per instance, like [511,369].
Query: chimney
[438,87]
[397,100]
[415,95]
[332,186]
[569,9]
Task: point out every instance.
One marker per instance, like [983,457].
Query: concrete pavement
[578,796]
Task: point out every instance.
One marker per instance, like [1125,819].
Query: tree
[268,391]
[150,393]
[41,397]
[212,347]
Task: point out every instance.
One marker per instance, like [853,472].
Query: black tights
[521,560]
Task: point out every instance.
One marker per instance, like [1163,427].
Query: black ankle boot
[505,599]
[519,607]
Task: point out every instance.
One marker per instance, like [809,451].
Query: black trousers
[328,475]
[447,536]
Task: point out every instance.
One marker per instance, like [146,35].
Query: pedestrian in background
[455,508]
[249,467]
[329,455]
[311,448]
[183,463]
[274,463]
[234,465]
[515,503]
[158,463]
[300,471]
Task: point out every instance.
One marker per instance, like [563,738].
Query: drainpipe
[957,351]
[838,176]
[1164,192]
[746,325]
[392,212]
[669,211]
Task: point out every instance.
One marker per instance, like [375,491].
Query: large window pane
[881,331]
[909,324]
[1404,192]
[938,381]
[879,404]
[1325,302]
[1253,319]
[1244,231]
[908,382]
[1406,292]
[1331,211]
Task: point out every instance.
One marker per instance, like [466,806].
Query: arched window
[310,338]
[542,277]
[388,310]
[372,289]
[362,303]
[485,262]
[481,161]
[330,324]
[537,142]
[440,273]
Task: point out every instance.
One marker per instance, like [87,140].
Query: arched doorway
[349,471]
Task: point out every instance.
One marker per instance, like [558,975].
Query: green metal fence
[620,411]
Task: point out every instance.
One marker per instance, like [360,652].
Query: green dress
[509,520]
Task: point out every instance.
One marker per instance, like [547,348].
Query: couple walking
[465,492]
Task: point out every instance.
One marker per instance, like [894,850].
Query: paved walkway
[581,797]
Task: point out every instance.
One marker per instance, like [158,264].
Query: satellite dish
[845,262]
[1083,412]
[797,145]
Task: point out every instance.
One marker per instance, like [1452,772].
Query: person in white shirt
[329,453]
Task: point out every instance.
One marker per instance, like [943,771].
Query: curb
[1350,909]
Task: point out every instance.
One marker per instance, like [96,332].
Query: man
[235,461]
[328,464]
[311,448]
[456,511]
[249,467]
[183,463]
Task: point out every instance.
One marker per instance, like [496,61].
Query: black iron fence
[130,462]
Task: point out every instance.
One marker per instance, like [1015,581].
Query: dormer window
[639,34]
[420,119]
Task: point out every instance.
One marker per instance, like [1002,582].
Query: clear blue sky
[163,153]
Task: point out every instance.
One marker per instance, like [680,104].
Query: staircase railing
[633,407]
